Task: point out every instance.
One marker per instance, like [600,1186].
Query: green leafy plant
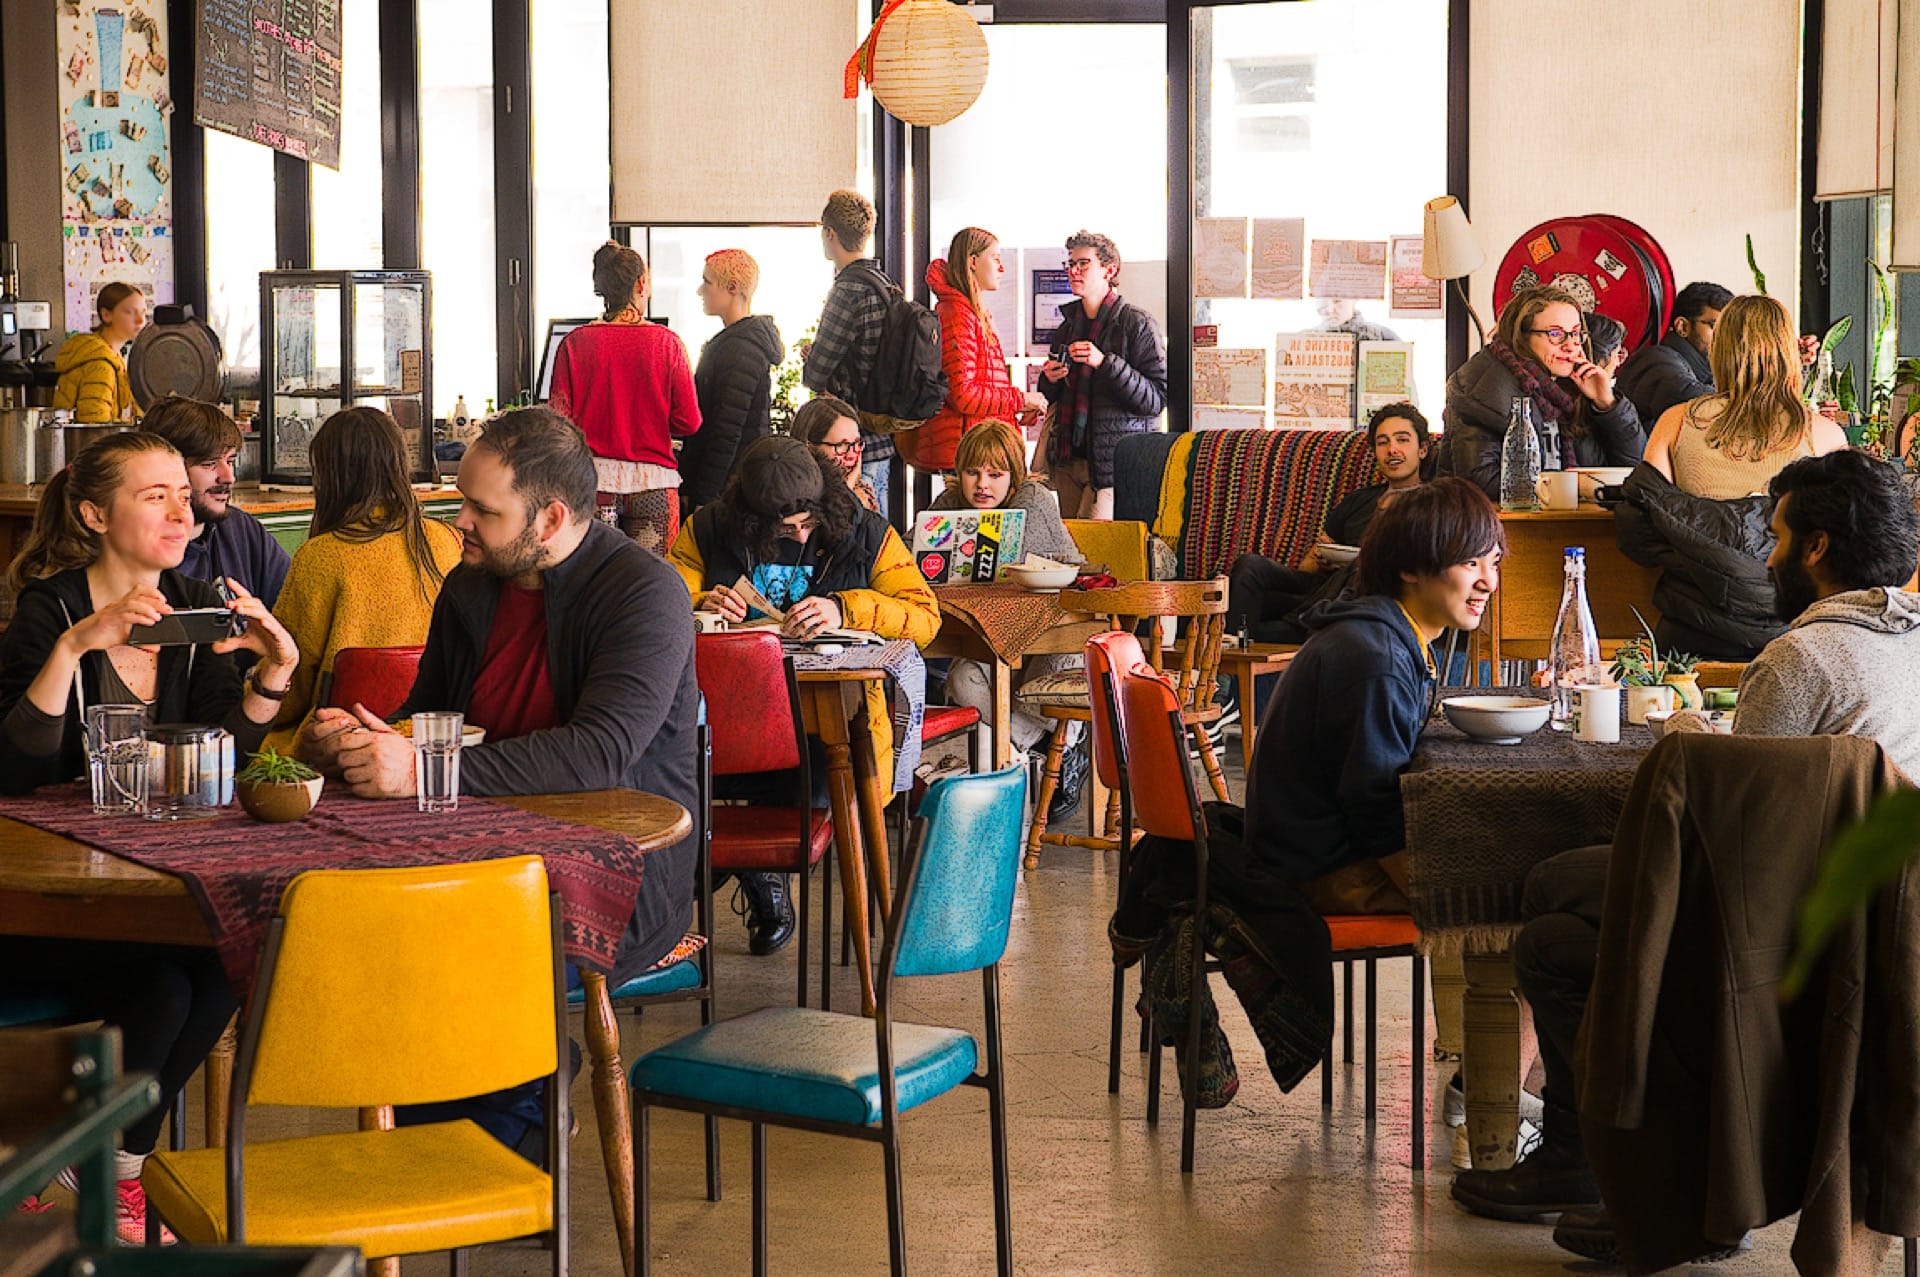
[1862,859]
[1753,264]
[786,384]
[1638,663]
[271,767]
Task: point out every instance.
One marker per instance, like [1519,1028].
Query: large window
[347,203]
[570,168]
[239,246]
[456,198]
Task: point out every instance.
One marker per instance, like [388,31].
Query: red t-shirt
[629,388]
[513,695]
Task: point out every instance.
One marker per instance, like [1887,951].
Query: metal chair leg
[1153,1076]
[642,1197]
[896,1204]
[759,1199]
[177,1122]
[1346,1012]
[826,934]
[1113,1035]
[1326,1078]
[457,1262]
[713,1158]
[1419,1127]
[1373,987]
[805,903]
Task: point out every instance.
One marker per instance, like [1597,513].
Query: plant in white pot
[1653,681]
[276,788]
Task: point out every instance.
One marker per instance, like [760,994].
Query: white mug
[1559,490]
[1598,716]
[1642,699]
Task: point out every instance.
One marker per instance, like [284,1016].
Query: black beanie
[779,476]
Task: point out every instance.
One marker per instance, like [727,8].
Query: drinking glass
[436,761]
[117,758]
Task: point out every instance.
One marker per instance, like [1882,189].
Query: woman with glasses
[1538,352]
[1698,508]
[830,427]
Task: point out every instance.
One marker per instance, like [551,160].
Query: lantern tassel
[860,65]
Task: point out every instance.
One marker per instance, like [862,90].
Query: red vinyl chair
[378,677]
[746,677]
[1106,654]
[1165,803]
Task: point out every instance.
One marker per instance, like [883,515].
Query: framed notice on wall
[269,71]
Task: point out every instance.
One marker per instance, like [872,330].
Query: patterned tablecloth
[1008,617]
[907,673]
[236,871]
[1479,817]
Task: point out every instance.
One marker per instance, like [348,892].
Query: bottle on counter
[1575,651]
[1520,459]
[462,421]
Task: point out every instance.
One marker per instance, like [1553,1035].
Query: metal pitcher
[192,771]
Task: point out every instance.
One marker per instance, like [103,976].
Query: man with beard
[227,541]
[573,647]
[1847,542]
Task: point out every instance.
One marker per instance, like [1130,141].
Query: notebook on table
[967,547]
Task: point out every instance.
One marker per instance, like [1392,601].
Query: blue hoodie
[1325,787]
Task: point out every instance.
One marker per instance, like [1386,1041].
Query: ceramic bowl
[1336,556]
[1496,720]
[278,804]
[1043,580]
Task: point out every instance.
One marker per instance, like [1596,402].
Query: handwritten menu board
[269,71]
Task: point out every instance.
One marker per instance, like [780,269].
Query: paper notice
[1351,268]
[1279,256]
[1412,294]
[1219,257]
[1230,376]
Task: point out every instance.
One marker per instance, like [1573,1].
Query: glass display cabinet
[331,338]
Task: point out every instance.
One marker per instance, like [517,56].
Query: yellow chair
[351,1010]
[1119,544]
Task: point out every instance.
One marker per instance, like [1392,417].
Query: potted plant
[274,787]
[1653,681]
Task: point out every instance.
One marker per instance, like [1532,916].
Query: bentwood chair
[378,677]
[849,1076]
[350,1010]
[1201,609]
[748,679]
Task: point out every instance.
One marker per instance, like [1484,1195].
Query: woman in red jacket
[627,384]
[977,383]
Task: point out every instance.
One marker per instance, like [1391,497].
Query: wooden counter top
[17,500]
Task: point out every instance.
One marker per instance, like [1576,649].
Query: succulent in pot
[275,787]
[1654,681]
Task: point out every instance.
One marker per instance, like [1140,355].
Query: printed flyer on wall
[1386,375]
[1313,377]
[1279,253]
[1350,268]
[1412,294]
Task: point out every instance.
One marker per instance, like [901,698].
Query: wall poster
[1411,293]
[1351,268]
[1313,380]
[1219,257]
[116,212]
[1279,257]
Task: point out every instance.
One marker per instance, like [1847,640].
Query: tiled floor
[1280,1187]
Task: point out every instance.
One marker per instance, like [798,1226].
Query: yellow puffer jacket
[93,380]
[897,604]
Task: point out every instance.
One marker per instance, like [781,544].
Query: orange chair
[1154,742]
[378,677]
[1106,654]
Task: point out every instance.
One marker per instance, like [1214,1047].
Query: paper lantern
[925,59]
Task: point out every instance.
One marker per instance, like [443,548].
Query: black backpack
[907,381]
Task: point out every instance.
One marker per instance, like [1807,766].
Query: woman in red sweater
[977,383]
[628,386]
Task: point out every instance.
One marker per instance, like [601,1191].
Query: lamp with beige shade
[1450,250]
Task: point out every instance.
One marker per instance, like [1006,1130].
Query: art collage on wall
[116,216]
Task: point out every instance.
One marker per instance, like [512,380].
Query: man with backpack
[874,347]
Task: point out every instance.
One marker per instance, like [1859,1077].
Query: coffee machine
[26,351]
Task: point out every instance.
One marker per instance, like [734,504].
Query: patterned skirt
[652,517]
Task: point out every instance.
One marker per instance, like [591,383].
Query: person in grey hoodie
[1846,542]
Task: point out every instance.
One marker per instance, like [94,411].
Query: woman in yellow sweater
[371,566]
[93,377]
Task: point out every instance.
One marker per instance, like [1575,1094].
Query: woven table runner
[1009,618]
[907,673]
[236,868]
[1478,817]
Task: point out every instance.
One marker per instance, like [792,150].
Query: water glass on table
[436,760]
[117,764]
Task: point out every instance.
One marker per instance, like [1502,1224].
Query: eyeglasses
[844,449]
[1075,264]
[1559,336]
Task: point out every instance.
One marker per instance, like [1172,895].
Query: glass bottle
[1520,459]
[1575,652]
[1822,388]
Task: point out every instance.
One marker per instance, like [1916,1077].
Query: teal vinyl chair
[845,1075]
[690,979]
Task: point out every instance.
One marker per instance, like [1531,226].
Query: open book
[775,618]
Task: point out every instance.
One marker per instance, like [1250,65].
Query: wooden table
[960,638]
[1522,612]
[53,886]
[830,703]
[1245,665]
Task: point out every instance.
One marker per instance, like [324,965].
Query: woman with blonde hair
[978,386]
[1698,509]
[371,567]
[628,386]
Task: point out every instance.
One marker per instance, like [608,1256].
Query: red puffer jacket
[977,383]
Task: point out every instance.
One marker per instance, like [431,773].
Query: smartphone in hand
[190,625]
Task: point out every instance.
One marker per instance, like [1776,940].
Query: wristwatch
[262,690]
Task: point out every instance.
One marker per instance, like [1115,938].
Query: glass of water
[117,758]
[436,761]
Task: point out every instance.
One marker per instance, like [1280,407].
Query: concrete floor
[1281,1186]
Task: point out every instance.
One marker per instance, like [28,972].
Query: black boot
[1075,762]
[1589,1234]
[769,912]
[1554,1177]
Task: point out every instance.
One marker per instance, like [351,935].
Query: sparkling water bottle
[1520,459]
[1575,652]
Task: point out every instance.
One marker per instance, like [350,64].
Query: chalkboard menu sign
[269,71]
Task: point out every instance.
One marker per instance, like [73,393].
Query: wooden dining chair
[1118,545]
[378,677]
[1198,610]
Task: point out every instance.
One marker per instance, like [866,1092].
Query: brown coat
[1708,1108]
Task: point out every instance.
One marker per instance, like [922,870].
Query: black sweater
[734,382]
[193,683]
[1480,396]
[620,657]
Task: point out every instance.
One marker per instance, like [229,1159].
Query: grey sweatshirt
[1045,533]
[1848,666]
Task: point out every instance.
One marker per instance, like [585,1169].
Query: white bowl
[1611,476]
[1496,720]
[1336,556]
[1042,580]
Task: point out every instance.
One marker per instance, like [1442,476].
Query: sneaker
[132,1223]
[1462,1152]
[1553,1178]
[1453,1107]
[1075,762]
[34,1205]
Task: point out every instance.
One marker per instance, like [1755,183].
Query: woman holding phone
[101,560]
[1539,353]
